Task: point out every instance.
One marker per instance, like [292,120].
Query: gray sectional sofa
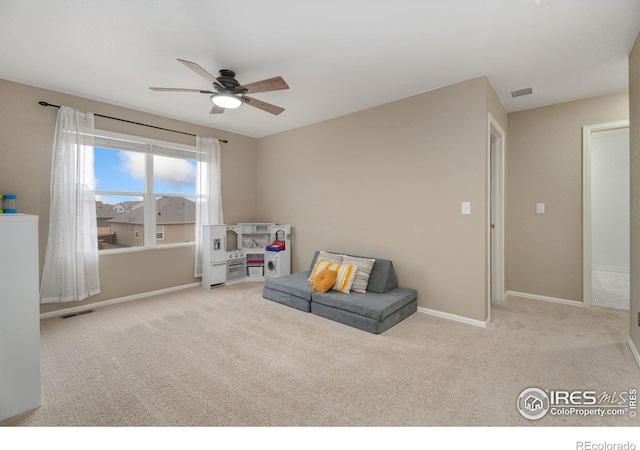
[382,306]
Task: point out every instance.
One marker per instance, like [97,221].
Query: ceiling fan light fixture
[226,100]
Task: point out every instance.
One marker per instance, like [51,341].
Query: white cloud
[177,173]
[133,164]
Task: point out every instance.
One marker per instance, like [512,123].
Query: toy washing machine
[271,264]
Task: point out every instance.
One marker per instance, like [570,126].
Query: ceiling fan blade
[200,71]
[272,84]
[216,110]
[161,89]
[273,109]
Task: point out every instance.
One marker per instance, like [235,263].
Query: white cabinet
[214,255]
[255,264]
[19,315]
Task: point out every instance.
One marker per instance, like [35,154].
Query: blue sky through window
[112,173]
[124,171]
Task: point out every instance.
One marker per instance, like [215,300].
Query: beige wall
[388,182]
[544,165]
[26,136]
[634,120]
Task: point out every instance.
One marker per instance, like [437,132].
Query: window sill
[115,251]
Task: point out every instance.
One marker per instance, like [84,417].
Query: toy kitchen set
[262,250]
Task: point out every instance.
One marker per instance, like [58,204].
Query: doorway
[606,209]
[495,214]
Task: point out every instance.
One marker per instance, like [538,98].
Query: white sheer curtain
[71,260]
[208,190]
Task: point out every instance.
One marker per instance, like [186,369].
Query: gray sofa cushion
[373,305]
[295,284]
[286,299]
[361,322]
[382,278]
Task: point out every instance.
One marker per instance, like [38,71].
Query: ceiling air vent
[521,92]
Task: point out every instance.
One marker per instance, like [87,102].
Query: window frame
[149,147]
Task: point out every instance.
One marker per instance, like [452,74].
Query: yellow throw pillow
[320,265]
[327,257]
[324,280]
[346,274]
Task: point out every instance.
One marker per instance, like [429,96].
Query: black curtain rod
[135,123]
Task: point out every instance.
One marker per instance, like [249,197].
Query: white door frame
[497,278]
[587,132]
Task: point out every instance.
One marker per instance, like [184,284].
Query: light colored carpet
[227,357]
[610,289]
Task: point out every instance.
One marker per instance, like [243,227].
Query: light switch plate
[539,208]
[466,208]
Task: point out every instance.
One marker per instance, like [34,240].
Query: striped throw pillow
[321,264]
[365,266]
[324,256]
[346,273]
[331,257]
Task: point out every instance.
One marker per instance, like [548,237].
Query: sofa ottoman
[292,290]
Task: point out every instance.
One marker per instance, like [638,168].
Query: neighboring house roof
[169,210]
[104,211]
[129,205]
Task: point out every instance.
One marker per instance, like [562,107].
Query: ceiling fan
[229,93]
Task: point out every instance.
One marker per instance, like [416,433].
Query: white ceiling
[338,56]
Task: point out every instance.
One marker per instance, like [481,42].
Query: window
[145,192]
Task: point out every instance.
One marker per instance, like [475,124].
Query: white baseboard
[454,317]
[634,351]
[544,298]
[75,309]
